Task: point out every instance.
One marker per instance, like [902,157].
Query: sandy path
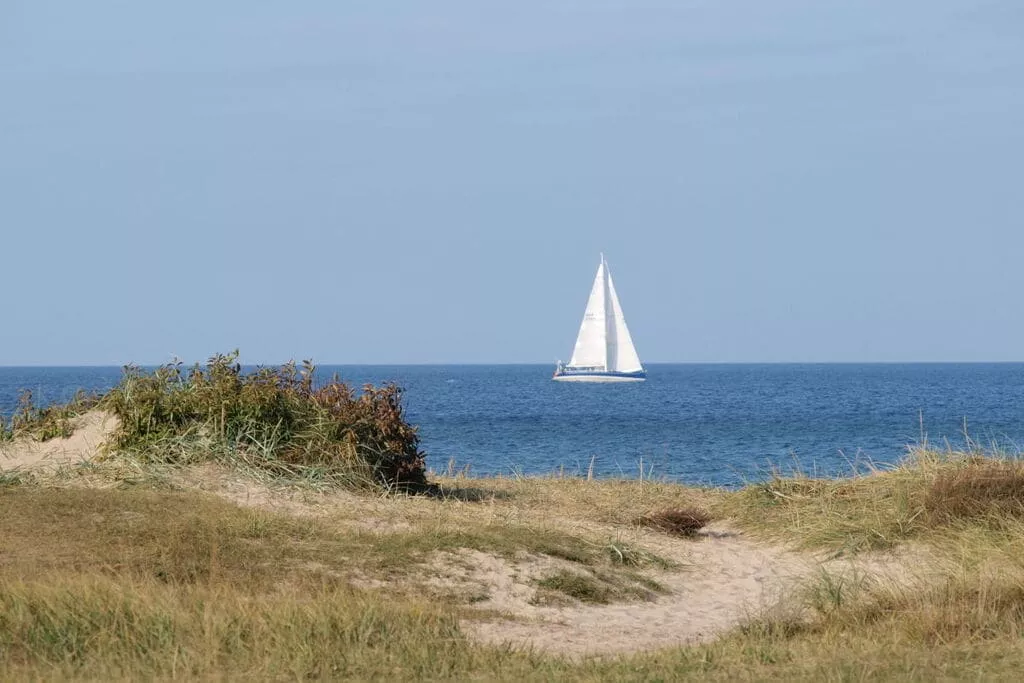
[725,579]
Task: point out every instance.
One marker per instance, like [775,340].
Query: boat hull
[600,376]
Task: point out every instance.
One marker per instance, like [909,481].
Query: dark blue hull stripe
[601,374]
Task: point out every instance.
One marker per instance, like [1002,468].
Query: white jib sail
[622,356]
[591,349]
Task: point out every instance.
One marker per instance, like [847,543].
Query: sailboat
[604,350]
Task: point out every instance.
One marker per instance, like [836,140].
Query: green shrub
[277,418]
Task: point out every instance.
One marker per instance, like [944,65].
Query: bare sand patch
[726,579]
[235,486]
[492,583]
[361,512]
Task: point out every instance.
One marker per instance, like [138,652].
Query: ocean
[695,423]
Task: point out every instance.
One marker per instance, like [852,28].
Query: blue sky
[397,182]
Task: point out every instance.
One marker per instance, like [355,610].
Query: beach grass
[152,581]
[932,495]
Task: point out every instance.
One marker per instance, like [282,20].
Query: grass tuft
[982,489]
[12,478]
[579,586]
[628,555]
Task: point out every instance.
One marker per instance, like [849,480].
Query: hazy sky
[379,181]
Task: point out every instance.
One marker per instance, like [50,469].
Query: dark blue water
[717,424]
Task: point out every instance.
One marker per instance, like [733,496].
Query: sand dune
[723,578]
[83,445]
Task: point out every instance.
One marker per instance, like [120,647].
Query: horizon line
[536,363]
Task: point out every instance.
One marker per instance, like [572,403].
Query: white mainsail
[591,343]
[604,343]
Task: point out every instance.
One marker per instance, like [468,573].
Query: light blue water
[717,424]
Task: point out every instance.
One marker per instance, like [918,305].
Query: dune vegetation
[274,420]
[250,540]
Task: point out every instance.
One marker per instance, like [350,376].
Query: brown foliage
[677,521]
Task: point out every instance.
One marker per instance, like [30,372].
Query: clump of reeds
[980,489]
[677,521]
[276,419]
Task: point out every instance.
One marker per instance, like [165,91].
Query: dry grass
[93,626]
[181,537]
[603,502]
[917,500]
[981,489]
[143,582]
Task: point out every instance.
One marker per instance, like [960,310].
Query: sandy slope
[83,445]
